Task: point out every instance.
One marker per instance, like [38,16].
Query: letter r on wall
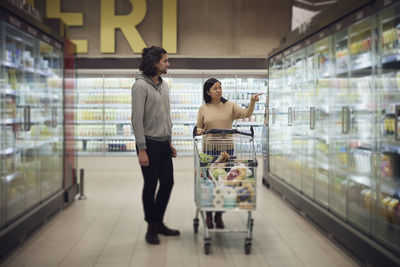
[127,23]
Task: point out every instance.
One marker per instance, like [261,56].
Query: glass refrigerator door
[118,127]
[89,115]
[285,120]
[30,97]
[46,125]
[339,124]
[298,153]
[16,123]
[322,63]
[387,216]
[361,119]
[309,123]
[186,97]
[275,86]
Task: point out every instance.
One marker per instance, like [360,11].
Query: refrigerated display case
[333,140]
[103,109]
[31,124]
[387,215]
[32,118]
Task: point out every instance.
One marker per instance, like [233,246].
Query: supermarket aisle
[108,229]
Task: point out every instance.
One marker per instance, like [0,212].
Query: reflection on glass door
[340,125]
[322,59]
[387,216]
[361,117]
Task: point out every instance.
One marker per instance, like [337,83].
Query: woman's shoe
[218,220]
[209,220]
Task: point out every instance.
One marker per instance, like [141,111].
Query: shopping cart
[225,178]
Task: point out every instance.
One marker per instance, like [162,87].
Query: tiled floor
[108,229]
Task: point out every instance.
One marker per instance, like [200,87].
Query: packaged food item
[237,174]
[391,209]
[386,166]
[229,197]
[217,173]
[206,192]
[205,157]
[384,207]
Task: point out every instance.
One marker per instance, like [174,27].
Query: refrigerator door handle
[27,118]
[25,112]
[54,117]
[396,123]
[273,115]
[348,119]
[289,116]
[345,120]
[343,116]
[312,118]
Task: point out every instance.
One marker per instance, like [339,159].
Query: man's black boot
[164,230]
[152,233]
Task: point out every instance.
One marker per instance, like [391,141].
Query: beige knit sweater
[221,116]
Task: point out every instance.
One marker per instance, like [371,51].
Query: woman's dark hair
[150,57]
[206,88]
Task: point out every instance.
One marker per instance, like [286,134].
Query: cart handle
[225,131]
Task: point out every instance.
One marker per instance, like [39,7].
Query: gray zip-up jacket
[151,112]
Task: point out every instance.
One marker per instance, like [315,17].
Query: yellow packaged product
[391,210]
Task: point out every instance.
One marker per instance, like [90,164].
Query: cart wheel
[207,248]
[247,248]
[196,225]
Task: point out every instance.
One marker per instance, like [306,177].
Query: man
[152,126]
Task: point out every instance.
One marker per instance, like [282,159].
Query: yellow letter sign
[169,26]
[127,24]
[53,10]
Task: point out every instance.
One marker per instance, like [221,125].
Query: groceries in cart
[224,178]
[227,185]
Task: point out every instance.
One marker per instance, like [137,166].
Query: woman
[219,113]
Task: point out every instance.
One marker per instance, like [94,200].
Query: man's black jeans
[161,170]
